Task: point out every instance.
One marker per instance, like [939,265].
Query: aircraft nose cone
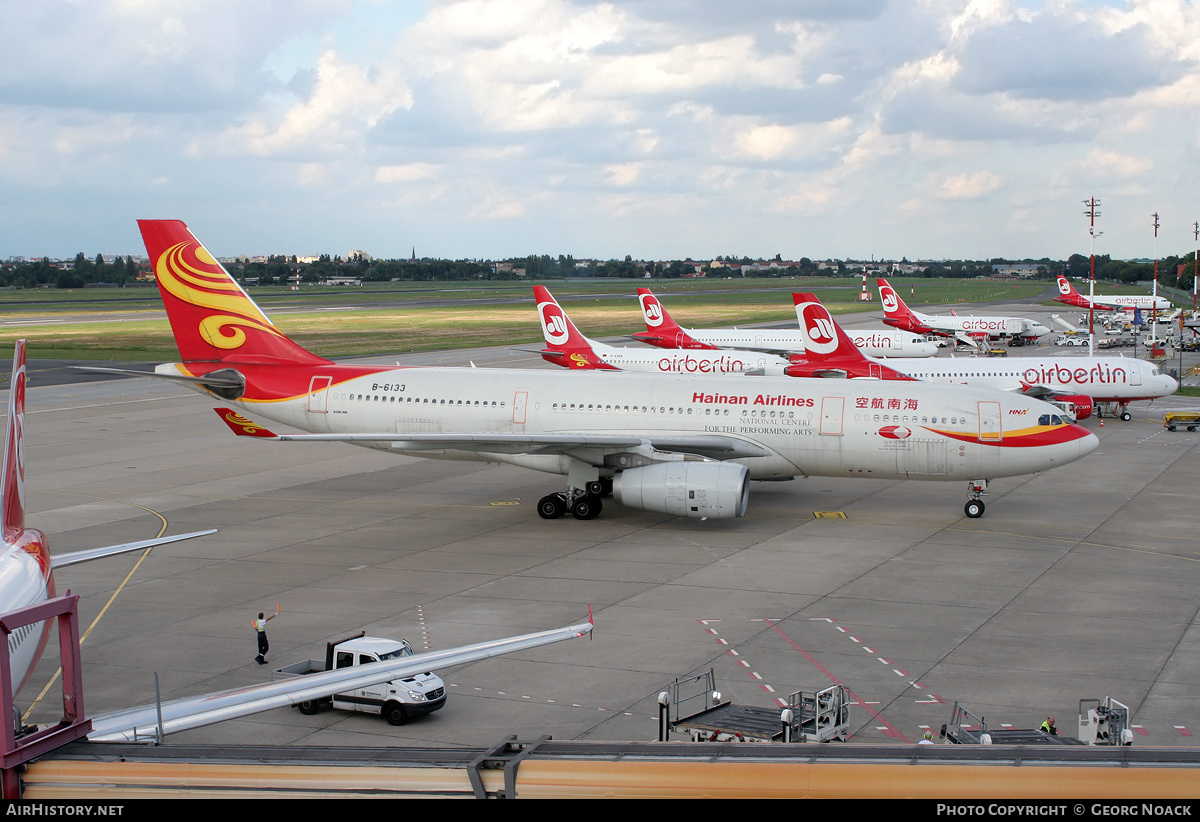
[1172,385]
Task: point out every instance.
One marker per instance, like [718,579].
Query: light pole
[1092,213]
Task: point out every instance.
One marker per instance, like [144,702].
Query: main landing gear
[975,507]
[1119,410]
[582,503]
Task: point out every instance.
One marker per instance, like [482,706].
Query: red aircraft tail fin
[828,348]
[212,318]
[662,331]
[1067,293]
[12,482]
[565,346]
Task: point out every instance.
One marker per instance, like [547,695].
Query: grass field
[396,317]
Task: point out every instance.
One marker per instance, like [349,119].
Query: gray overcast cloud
[657,128]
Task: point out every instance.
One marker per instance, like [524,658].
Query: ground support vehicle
[397,701]
[1174,419]
[694,706]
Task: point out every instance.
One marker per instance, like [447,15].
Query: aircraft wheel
[595,488]
[1126,416]
[551,506]
[394,713]
[310,707]
[974,508]
[588,507]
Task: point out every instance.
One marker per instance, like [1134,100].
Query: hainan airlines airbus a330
[898,315]
[680,445]
[663,332]
[1084,382]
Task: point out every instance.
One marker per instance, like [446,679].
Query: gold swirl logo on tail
[200,281]
[247,425]
[580,360]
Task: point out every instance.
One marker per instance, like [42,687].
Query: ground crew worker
[1048,727]
[260,625]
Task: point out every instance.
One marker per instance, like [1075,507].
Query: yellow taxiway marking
[115,593]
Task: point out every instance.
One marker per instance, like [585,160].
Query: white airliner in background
[663,332]
[1077,384]
[1067,294]
[680,445]
[27,578]
[897,314]
[567,347]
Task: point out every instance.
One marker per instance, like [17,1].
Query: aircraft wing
[76,557]
[194,712]
[716,447]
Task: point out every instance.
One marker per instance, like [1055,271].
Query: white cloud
[969,186]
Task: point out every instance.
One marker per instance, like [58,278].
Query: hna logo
[554,324]
[820,336]
[651,310]
[888,297]
[895,432]
[1064,287]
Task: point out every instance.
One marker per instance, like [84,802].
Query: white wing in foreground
[198,711]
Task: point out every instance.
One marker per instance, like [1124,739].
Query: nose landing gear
[975,490]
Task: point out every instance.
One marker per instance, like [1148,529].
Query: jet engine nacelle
[1081,404]
[716,490]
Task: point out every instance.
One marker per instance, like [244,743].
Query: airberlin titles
[1100,374]
[687,364]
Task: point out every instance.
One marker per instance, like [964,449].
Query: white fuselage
[1127,302]
[22,583]
[818,427]
[1102,378]
[699,361]
[872,343]
[992,326]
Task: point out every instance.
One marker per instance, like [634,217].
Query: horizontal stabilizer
[76,557]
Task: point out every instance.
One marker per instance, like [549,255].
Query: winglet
[12,482]
[243,426]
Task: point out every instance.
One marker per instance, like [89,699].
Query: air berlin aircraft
[899,315]
[663,332]
[669,443]
[1067,294]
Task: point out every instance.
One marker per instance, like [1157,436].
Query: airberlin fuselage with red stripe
[887,430]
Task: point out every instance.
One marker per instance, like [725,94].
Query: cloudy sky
[657,128]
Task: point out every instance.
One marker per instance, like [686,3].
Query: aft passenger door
[318,394]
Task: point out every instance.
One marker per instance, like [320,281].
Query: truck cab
[398,700]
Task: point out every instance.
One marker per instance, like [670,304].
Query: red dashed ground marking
[1182,730]
[742,663]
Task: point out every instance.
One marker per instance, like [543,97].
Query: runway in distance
[897,314]
[566,347]
[675,444]
[1078,383]
[1067,294]
[663,332]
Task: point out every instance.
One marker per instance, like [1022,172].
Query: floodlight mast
[1092,213]
[1154,291]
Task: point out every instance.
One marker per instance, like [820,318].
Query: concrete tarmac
[1083,582]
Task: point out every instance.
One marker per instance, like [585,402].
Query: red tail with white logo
[896,313]
[1067,293]
[12,487]
[662,331]
[565,346]
[829,351]
[214,320]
